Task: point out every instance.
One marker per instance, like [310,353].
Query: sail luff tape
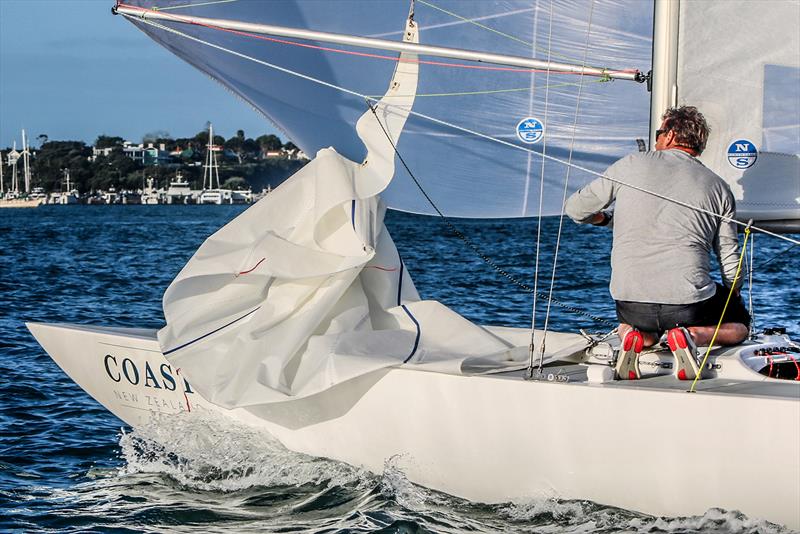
[381,44]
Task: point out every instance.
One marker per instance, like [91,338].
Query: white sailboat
[14,198]
[300,317]
[212,192]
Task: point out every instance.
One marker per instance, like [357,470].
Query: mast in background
[664,78]
[211,168]
[26,163]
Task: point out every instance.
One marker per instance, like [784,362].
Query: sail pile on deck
[465,174]
[306,289]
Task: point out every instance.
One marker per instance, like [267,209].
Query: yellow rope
[724,309]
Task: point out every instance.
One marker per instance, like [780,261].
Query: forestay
[464,174]
[306,289]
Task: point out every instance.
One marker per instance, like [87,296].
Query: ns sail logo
[742,154]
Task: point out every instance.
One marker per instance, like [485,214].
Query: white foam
[221,455]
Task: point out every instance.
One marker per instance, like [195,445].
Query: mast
[380,44]
[26,163]
[13,157]
[2,187]
[664,78]
[210,169]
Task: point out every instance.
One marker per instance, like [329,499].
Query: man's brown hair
[689,126]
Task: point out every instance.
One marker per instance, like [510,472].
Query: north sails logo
[742,154]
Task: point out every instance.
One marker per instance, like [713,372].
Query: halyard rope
[463,129]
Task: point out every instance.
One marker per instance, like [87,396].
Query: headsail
[465,174]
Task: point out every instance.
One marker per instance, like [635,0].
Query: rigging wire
[566,185]
[532,345]
[490,91]
[469,243]
[463,129]
[182,6]
[494,30]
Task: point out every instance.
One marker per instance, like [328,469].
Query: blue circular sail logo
[530,130]
[742,154]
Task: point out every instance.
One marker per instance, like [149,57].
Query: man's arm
[726,246]
[585,205]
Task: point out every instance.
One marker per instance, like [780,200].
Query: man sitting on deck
[661,254]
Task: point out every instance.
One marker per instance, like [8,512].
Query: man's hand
[601,218]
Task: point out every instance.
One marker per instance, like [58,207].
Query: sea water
[68,465]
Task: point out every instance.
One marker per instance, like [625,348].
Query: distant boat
[212,193]
[14,198]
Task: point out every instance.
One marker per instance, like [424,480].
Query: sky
[72,70]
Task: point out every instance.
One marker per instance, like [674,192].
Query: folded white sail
[306,289]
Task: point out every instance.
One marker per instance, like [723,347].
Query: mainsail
[739,62]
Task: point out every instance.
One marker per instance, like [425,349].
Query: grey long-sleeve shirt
[662,251]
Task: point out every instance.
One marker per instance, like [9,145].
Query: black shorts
[649,317]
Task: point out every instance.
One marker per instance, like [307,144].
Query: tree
[154,137]
[269,142]
[106,141]
[234,144]
[42,138]
[236,183]
[240,134]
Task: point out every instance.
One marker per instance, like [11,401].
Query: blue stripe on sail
[419,332]
[212,332]
[408,312]
[353,213]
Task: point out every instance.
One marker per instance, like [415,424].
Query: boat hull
[494,438]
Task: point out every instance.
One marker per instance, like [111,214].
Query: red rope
[251,269]
[797,366]
[352,52]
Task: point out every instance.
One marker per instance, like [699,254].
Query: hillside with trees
[243,162]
